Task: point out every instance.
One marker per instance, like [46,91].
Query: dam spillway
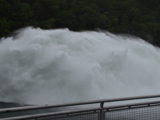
[40,67]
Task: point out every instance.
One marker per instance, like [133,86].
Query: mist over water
[59,66]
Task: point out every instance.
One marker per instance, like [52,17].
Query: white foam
[59,66]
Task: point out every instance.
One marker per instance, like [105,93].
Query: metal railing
[102,112]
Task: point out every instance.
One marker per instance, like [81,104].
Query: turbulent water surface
[59,66]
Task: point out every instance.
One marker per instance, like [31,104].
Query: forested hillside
[137,17]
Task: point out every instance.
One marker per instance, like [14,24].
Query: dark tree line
[137,17]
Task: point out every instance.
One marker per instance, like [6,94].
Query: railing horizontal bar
[42,115]
[130,106]
[75,104]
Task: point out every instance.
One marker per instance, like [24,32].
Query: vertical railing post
[101,113]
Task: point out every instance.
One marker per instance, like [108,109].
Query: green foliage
[137,17]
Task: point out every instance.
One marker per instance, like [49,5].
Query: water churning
[59,66]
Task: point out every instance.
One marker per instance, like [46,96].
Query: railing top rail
[93,110]
[132,105]
[78,103]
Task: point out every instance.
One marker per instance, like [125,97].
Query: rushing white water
[58,66]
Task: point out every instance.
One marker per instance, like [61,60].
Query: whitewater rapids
[59,66]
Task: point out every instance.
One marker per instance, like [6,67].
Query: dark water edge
[4,105]
[10,105]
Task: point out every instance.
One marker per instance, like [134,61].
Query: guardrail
[98,113]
